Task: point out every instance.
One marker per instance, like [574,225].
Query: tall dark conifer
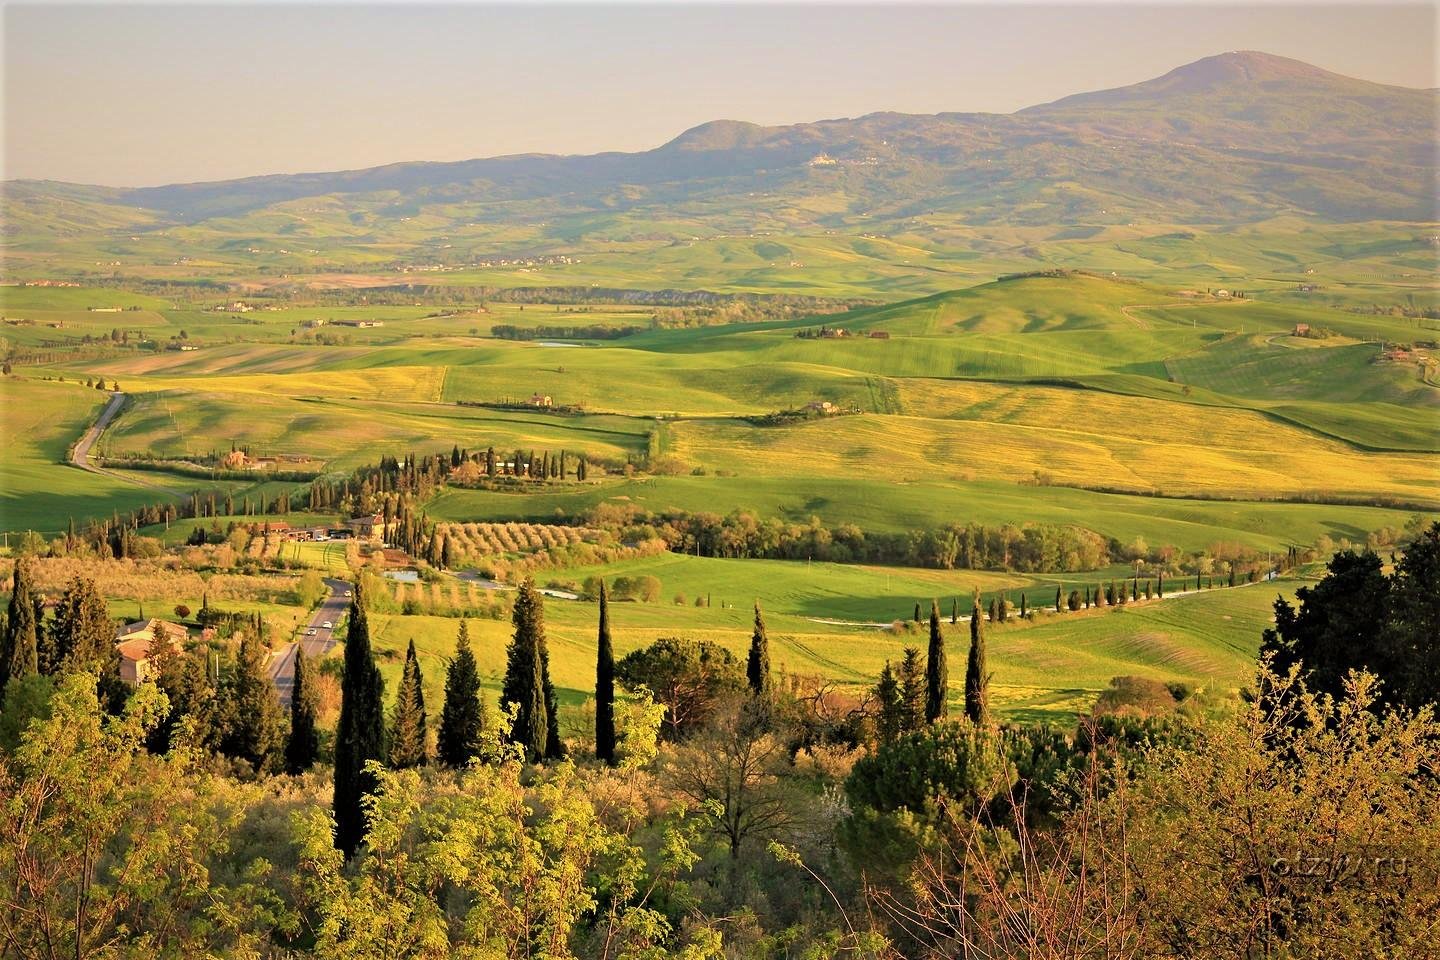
[82,633]
[604,684]
[1059,600]
[360,734]
[937,673]
[912,691]
[409,744]
[757,666]
[462,717]
[889,716]
[976,683]
[18,644]
[303,746]
[251,713]
[527,679]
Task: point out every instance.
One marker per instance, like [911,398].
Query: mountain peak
[1241,66]
[1236,71]
[718,135]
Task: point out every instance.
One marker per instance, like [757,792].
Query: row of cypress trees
[360,736]
[906,706]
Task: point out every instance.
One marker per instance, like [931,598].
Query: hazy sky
[137,95]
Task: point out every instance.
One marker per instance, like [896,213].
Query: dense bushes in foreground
[776,821]
[1302,832]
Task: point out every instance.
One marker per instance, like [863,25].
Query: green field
[39,490]
[1130,398]
[1068,381]
[1048,668]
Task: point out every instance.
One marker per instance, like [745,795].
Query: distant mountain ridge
[1236,136]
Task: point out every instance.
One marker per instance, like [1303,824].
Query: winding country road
[80,456]
[282,664]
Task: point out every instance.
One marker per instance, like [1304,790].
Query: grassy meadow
[1049,668]
[1135,400]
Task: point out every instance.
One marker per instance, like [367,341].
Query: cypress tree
[757,666]
[18,644]
[1024,609]
[1058,600]
[360,734]
[1135,589]
[912,691]
[461,719]
[994,610]
[889,717]
[916,618]
[527,680]
[954,610]
[937,673]
[1160,584]
[976,683]
[408,744]
[604,685]
[304,744]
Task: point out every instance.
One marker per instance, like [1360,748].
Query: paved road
[282,664]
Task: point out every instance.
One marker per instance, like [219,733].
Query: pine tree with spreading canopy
[604,684]
[937,673]
[462,717]
[82,634]
[977,684]
[303,747]
[757,666]
[250,711]
[360,733]
[409,746]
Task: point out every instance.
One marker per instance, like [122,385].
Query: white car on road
[327,625]
[310,632]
